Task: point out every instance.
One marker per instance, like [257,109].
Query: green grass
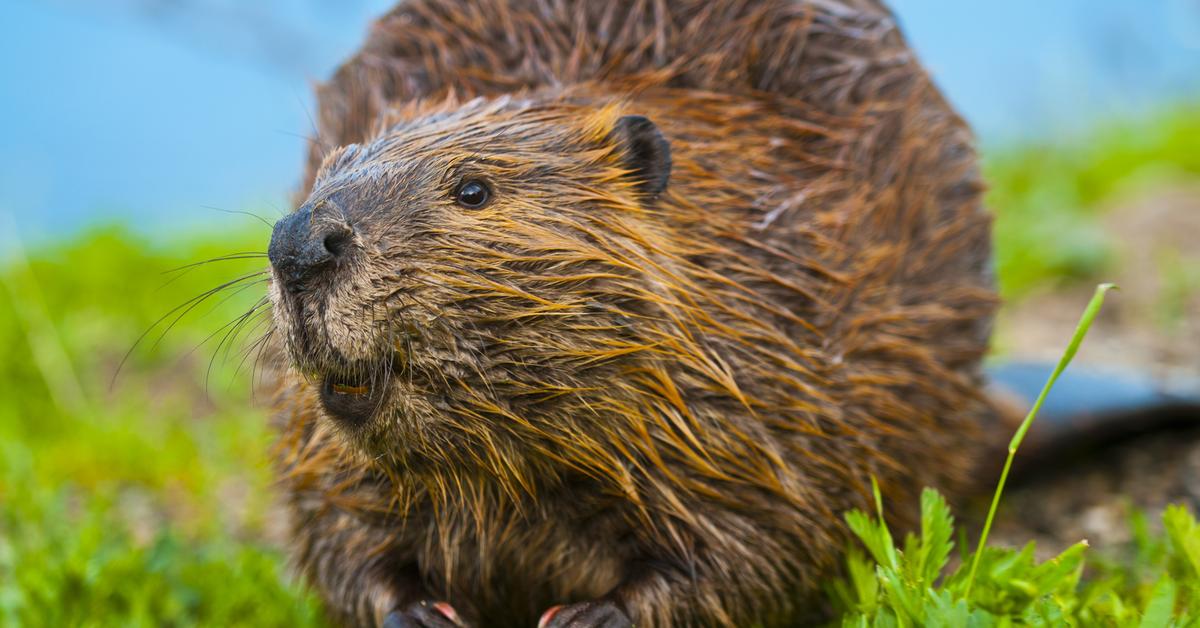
[1048,196]
[148,501]
[912,584]
[144,501]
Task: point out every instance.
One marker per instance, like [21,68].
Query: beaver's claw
[598,614]
[424,615]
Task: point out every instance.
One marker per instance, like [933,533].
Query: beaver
[603,313]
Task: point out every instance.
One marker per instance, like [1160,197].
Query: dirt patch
[1153,322]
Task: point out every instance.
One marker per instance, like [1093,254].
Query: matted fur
[670,401]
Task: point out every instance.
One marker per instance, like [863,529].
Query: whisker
[282,212]
[261,345]
[184,270]
[232,322]
[381,373]
[263,305]
[247,350]
[242,212]
[254,322]
[197,301]
[307,138]
[232,326]
[317,139]
[186,307]
[220,258]
[240,290]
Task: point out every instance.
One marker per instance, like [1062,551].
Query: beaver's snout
[302,246]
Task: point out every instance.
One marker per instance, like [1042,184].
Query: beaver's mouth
[353,396]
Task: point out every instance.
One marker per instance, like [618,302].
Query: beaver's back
[841,266]
[843,57]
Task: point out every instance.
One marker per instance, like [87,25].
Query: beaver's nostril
[299,248]
[337,242]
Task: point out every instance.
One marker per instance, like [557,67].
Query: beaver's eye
[473,194]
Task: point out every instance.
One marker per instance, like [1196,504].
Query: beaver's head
[469,275]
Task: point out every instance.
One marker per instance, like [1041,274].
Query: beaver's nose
[300,249]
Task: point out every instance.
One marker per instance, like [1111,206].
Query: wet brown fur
[670,400]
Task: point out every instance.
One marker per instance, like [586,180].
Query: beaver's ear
[645,151]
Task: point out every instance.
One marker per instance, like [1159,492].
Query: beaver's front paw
[598,614]
[424,615]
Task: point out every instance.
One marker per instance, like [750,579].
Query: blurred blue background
[156,111]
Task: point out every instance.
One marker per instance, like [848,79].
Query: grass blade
[1085,323]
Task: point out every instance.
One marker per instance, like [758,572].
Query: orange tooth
[343,389]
